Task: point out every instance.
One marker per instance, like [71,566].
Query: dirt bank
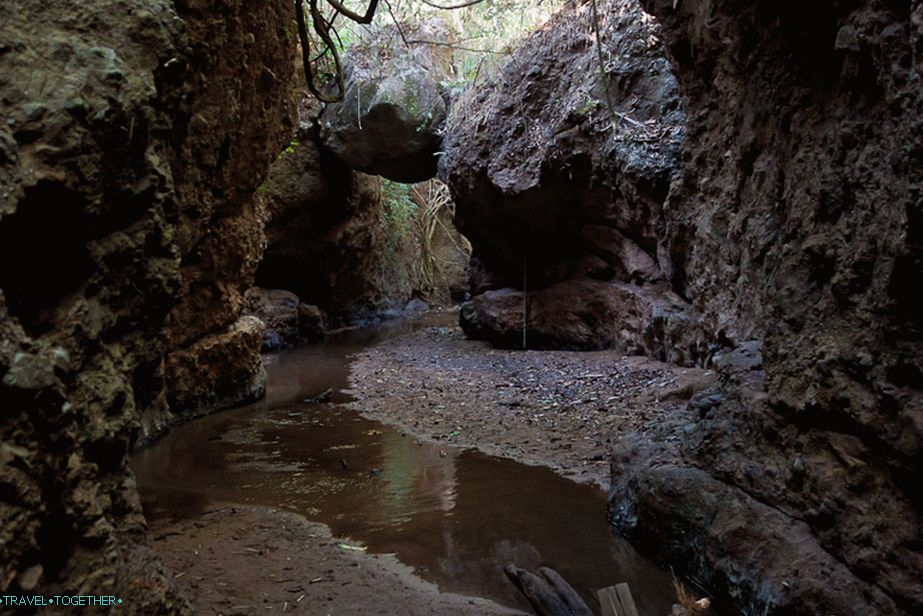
[551,408]
[250,560]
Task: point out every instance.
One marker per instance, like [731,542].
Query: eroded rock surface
[236,116]
[796,225]
[390,120]
[556,192]
[790,237]
[129,144]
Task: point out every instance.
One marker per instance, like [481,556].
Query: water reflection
[457,517]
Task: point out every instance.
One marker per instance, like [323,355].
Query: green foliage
[427,120]
[398,211]
[587,107]
[289,149]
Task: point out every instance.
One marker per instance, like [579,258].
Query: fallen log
[548,592]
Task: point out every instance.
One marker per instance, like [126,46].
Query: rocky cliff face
[796,223]
[117,174]
[236,117]
[557,192]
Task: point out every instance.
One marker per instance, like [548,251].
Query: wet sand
[550,408]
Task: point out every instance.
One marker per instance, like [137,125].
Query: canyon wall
[237,115]
[796,223]
[760,213]
[134,134]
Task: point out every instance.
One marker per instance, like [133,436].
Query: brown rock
[239,121]
[219,370]
[390,120]
[335,241]
[580,314]
[131,143]
[312,323]
[279,312]
[777,233]
[287,320]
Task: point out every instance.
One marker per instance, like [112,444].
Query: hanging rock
[391,119]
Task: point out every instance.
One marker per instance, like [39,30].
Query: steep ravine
[751,204]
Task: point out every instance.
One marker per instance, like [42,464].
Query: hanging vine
[326,32]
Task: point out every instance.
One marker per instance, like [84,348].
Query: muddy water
[455,516]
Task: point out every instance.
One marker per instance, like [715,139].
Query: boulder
[581,314]
[219,370]
[312,323]
[287,320]
[551,186]
[390,120]
[278,310]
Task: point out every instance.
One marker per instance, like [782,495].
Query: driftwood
[548,593]
[616,601]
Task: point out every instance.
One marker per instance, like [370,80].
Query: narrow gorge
[309,309]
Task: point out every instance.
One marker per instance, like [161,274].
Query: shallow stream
[455,516]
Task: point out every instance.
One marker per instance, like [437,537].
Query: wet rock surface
[553,189]
[390,120]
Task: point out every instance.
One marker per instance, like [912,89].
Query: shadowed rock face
[326,237]
[550,190]
[131,141]
[390,120]
[331,237]
[287,320]
[796,223]
[237,116]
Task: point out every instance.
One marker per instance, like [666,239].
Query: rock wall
[797,225]
[117,174]
[237,112]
